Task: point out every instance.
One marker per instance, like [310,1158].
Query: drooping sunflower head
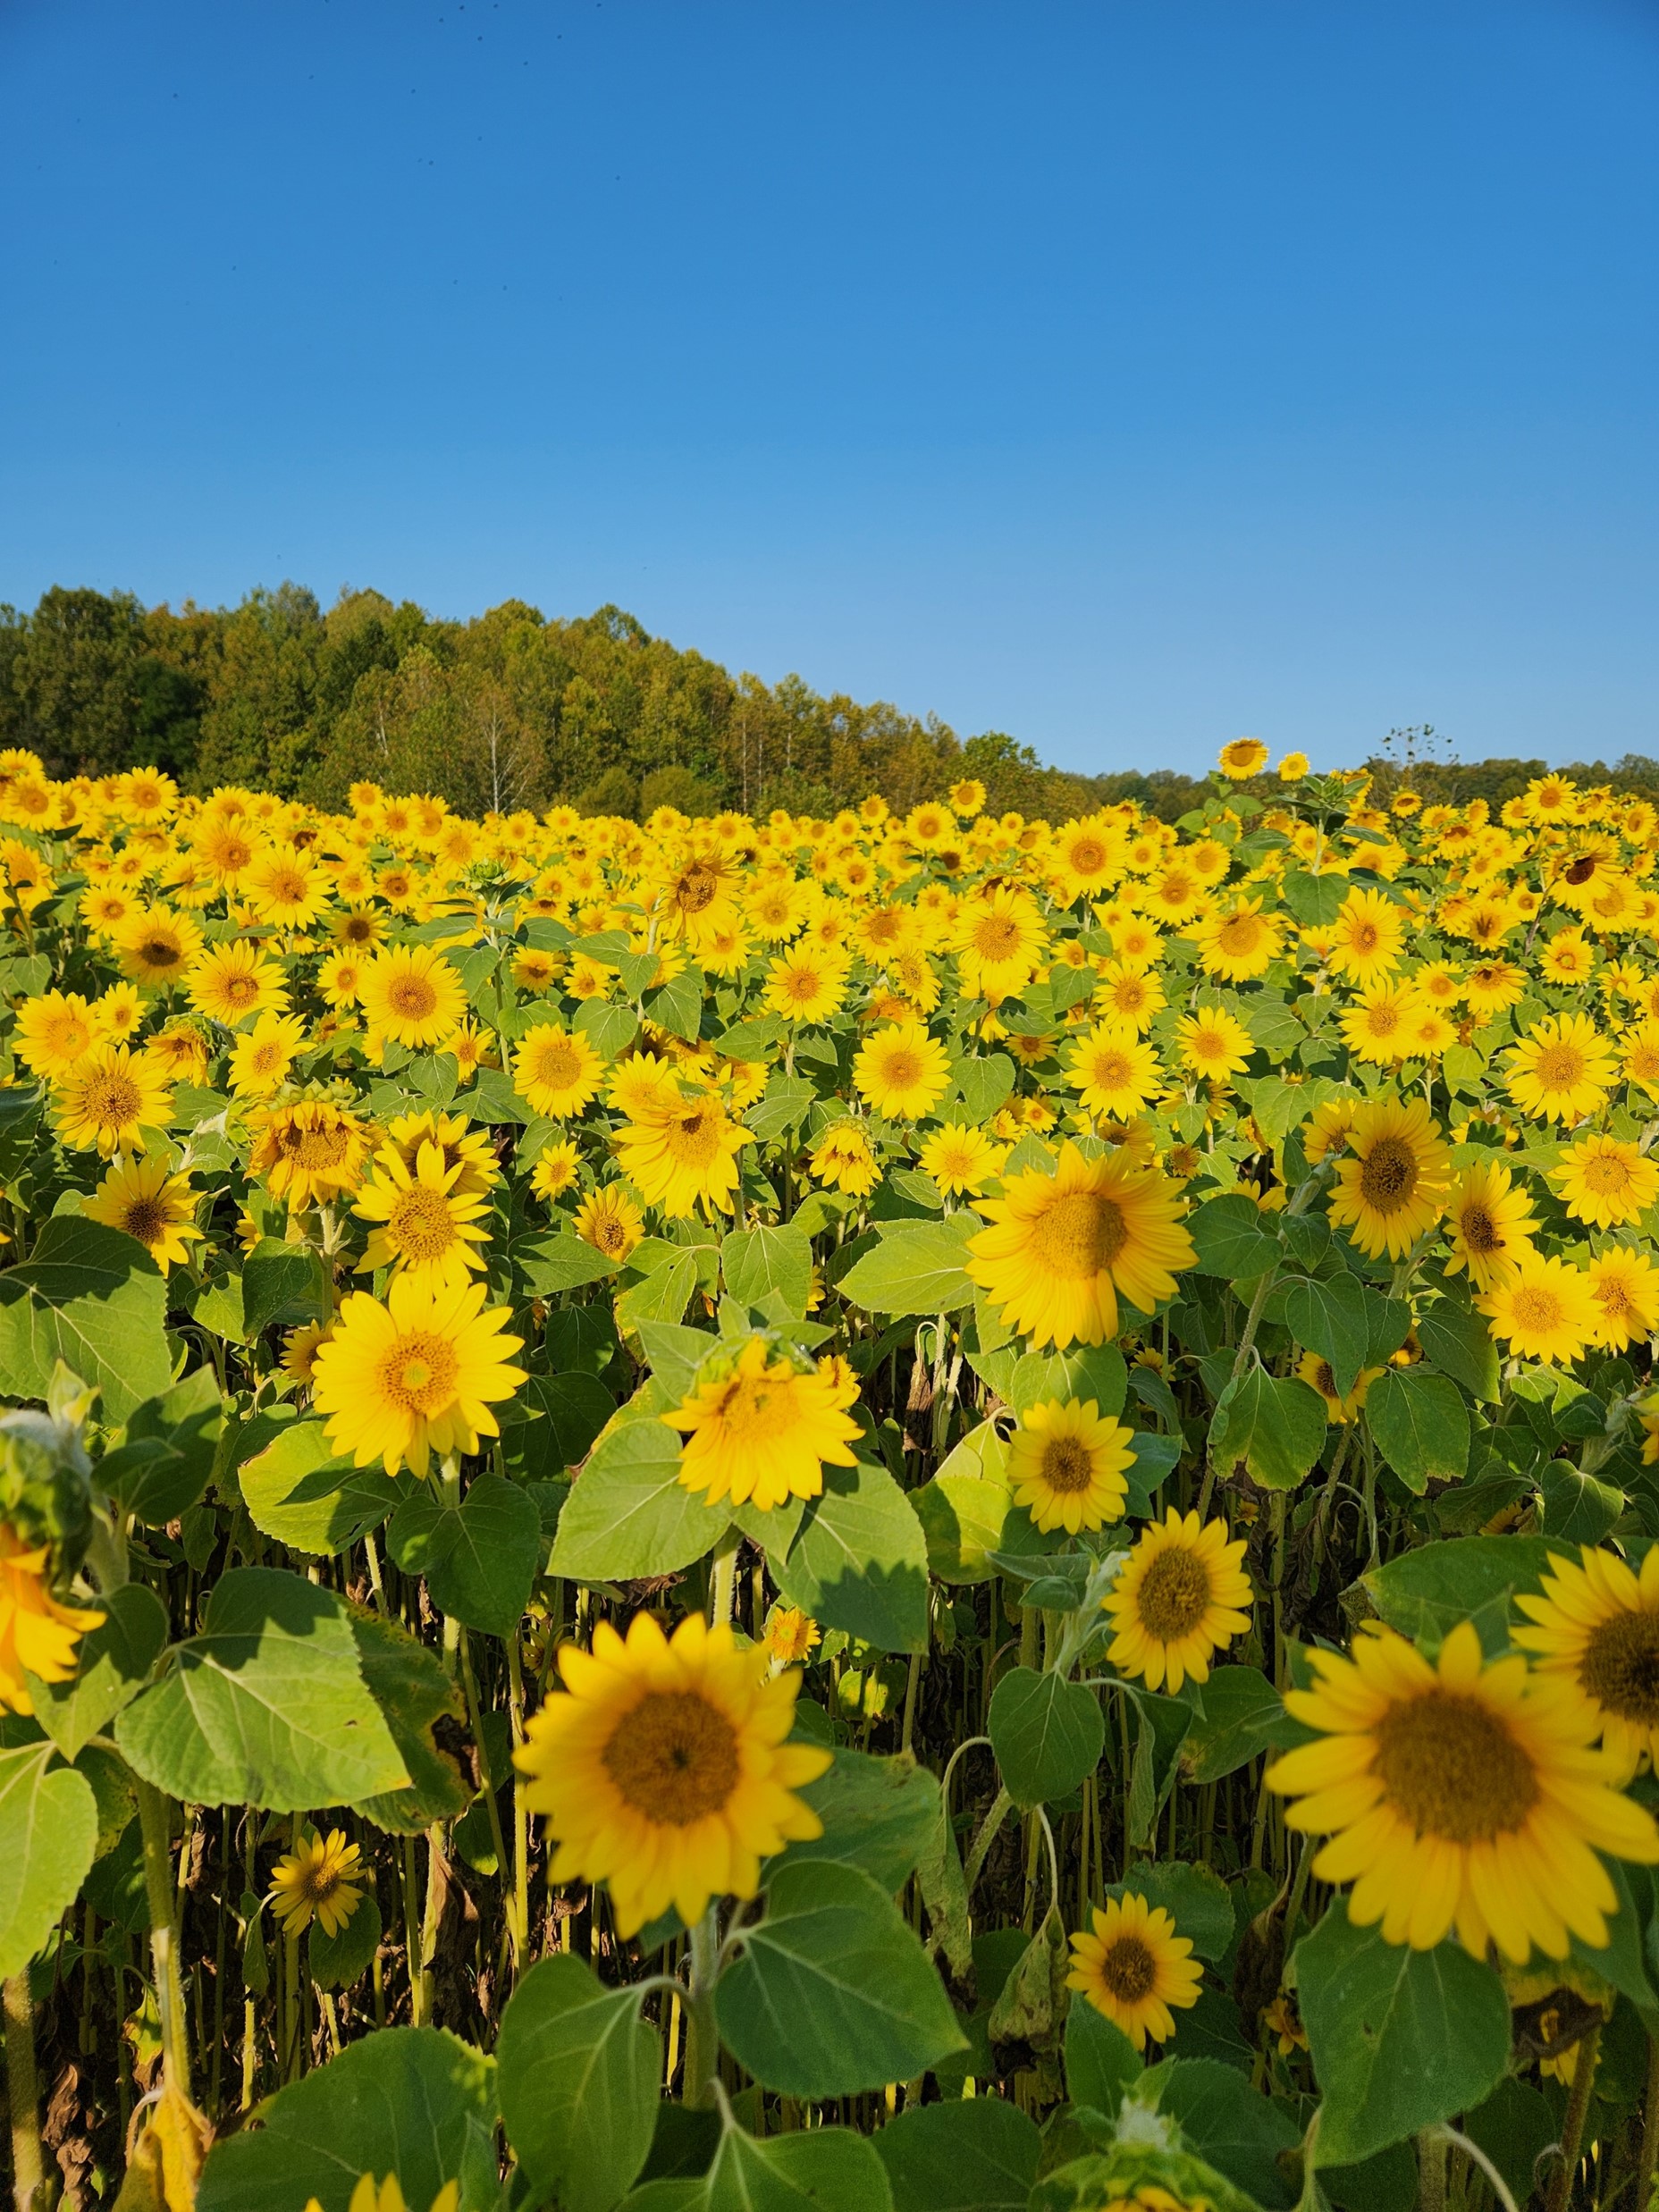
[682,1153]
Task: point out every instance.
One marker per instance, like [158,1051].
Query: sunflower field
[915,1513]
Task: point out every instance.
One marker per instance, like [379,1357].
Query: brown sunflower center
[239,990]
[1111,1071]
[557,1063]
[1479,1231]
[412,998]
[901,1069]
[1066,1466]
[145,1219]
[609,1233]
[420,1223]
[1559,1067]
[1079,1233]
[995,937]
[1607,1172]
[674,1757]
[1364,935]
[1620,1668]
[316,1148]
[696,888]
[417,1375]
[1129,1970]
[1088,856]
[1580,870]
[357,930]
[1239,935]
[1453,1769]
[1388,1175]
[161,952]
[1174,1595]
[112,1100]
[1537,1309]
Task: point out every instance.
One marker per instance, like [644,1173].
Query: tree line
[513,709]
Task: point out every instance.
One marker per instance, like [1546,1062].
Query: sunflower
[556,1070]
[1376,1026]
[156,946]
[142,1199]
[230,982]
[1134,1967]
[1128,997]
[415,1375]
[557,1168]
[1393,1182]
[1545,1310]
[1367,937]
[299,1349]
[759,1430]
[1640,1047]
[1180,1597]
[1238,944]
[181,1052]
[36,1632]
[1625,1287]
[902,1073]
[412,994]
[680,1153]
[1061,1247]
[610,1221]
[961,1159]
[1605,1181]
[462,1145]
[1491,987]
[1067,1465]
[1293,768]
[842,1156]
[663,1768]
[1490,1223]
[310,1151]
[119,1014]
[1459,1795]
[999,940]
[791,1635]
[1114,1071]
[1561,1070]
[108,1098]
[322,1879]
[387,2196]
[52,1033]
[1317,1373]
[1085,858]
[1597,1623]
[1214,1043]
[807,983]
[473,1049]
[423,1226]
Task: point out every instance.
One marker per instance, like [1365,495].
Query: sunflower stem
[23,2092]
[1572,2126]
[1431,2170]
[1650,2128]
[703,2043]
[723,1583]
[163,1936]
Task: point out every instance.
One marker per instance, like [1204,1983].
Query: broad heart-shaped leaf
[976,2154]
[1100,2061]
[560,1262]
[167,1460]
[858,1560]
[283,1285]
[299,1490]
[1048,1733]
[413,1692]
[983,1084]
[833,1993]
[1420,1424]
[1195,1897]
[628,1514]
[479,1558]
[268,1706]
[878,1814]
[1400,2038]
[759,1261]
[1085,1371]
[95,1299]
[1458,1343]
[1315,901]
[1332,1319]
[1275,1427]
[1231,1240]
[1427,1591]
[413,2102]
[968,1510]
[48,1833]
[110,1664]
[828,2169]
[1232,2126]
[1243,1714]
[917,1268]
[551,1424]
[578,2072]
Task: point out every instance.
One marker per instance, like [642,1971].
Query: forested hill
[512,710]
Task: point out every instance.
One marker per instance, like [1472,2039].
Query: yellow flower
[1114,1072]
[1061,1247]
[312,1150]
[1133,1967]
[1214,1043]
[317,1880]
[415,1375]
[36,1632]
[902,1073]
[1237,945]
[260,1060]
[1489,1224]
[1293,768]
[790,1636]
[1625,1287]
[53,1032]
[108,1098]
[230,982]
[1561,1070]
[610,1221]
[842,1156]
[1545,1310]
[388,2197]
[680,1153]
[1379,1025]
[961,1159]
[1242,758]
[1316,1374]
[999,940]
[424,1226]
[556,1170]
[1605,1181]
[807,983]
[462,1147]
[413,996]
[759,1429]
[1180,1597]
[143,1201]
[1393,1182]
[664,1769]
[299,1349]
[1128,997]
[1067,1465]
[118,1015]
[1597,1623]
[556,1070]
[1640,1047]
[156,946]
[1367,936]
[1459,1795]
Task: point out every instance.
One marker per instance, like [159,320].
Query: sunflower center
[145,1219]
[1388,1175]
[1364,937]
[696,889]
[1324,1381]
[420,1222]
[694,1138]
[1111,1071]
[68,1039]
[1605,1172]
[412,998]
[1559,1067]
[112,1100]
[1613,1297]
[1383,1019]
[160,952]
[1620,1666]
[1240,934]
[1537,1309]
[1079,1234]
[1580,870]
[239,990]
[995,937]
[1174,1595]
[802,985]
[1479,1231]
[417,1375]
[1453,1769]
[1087,856]
[1066,1466]
[1208,1044]
[611,1233]
[287,888]
[558,1063]
[902,1070]
[357,930]
[1129,1970]
[674,1757]
[321,1881]
[316,1148]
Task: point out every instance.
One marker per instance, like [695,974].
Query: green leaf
[413,1692]
[976,2154]
[1400,2038]
[1100,2061]
[548,1265]
[48,1833]
[858,1560]
[1244,1714]
[1086,1371]
[917,1268]
[1229,1240]
[479,1559]
[110,1664]
[663,1295]
[628,1515]
[1048,1733]
[551,1424]
[1275,1427]
[828,2169]
[577,2073]
[783,1106]
[413,2102]
[967,1510]
[1578,1508]
[337,1961]
[166,1461]
[1332,1319]
[831,1993]
[1459,1344]
[879,1815]
[678,1004]
[268,1706]
[610,1029]
[1420,1424]
[1315,901]
[1426,1592]
[983,1085]
[283,1286]
[1231,2125]
[309,1497]
[1514,2127]
[95,1299]
[759,1261]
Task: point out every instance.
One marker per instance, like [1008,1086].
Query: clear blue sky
[1127,375]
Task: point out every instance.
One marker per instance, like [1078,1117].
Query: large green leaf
[858,1560]
[413,2102]
[479,1558]
[1240,2133]
[1100,2061]
[1276,1426]
[266,1706]
[1420,1422]
[283,1286]
[95,1299]
[1048,1733]
[166,1461]
[1400,2038]
[878,1814]
[1231,1238]
[917,1268]
[546,1265]
[828,2169]
[1459,1344]
[1427,1591]
[831,1993]
[1334,1318]
[967,1510]
[413,1692]
[759,1262]
[578,2074]
[628,1514]
[110,1664]
[299,1489]
[976,2154]
[551,1424]
[1243,1715]
[48,1833]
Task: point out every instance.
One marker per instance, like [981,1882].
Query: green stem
[163,1936]
[723,1582]
[1572,2126]
[514,1932]
[23,2092]
[702,2044]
